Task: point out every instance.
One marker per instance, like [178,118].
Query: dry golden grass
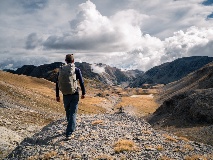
[183,139]
[97,122]
[124,145]
[185,148]
[146,132]
[91,105]
[169,138]
[141,105]
[81,138]
[49,155]
[159,148]
[188,147]
[150,147]
[199,157]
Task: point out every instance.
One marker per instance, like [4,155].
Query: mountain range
[171,71]
[162,74]
[110,75]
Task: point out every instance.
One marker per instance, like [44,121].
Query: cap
[69,57]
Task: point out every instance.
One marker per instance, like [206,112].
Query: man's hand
[58,99]
[82,96]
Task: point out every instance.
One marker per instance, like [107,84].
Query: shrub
[97,122]
[124,145]
[169,138]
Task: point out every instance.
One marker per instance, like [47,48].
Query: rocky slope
[188,103]
[18,122]
[26,105]
[172,71]
[108,136]
[199,79]
[194,106]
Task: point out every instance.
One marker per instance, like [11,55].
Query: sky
[127,34]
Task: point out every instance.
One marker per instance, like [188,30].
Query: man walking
[67,79]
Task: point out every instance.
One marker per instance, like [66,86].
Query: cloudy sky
[128,34]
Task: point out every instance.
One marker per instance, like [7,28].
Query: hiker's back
[67,82]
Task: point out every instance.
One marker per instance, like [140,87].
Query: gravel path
[96,137]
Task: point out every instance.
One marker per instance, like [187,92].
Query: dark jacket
[78,77]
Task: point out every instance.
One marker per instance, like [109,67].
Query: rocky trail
[108,136]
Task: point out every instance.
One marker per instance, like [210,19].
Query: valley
[182,108]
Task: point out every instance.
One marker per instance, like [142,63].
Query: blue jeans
[71,107]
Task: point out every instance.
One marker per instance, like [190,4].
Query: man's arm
[81,81]
[57,90]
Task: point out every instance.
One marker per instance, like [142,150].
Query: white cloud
[126,34]
[195,41]
[9,66]
[184,44]
[97,69]
[166,17]
[94,32]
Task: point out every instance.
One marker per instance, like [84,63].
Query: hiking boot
[69,137]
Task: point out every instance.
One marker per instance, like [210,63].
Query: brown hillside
[200,79]
[39,95]
[187,106]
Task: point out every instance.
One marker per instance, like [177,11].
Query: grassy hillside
[38,95]
[31,93]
